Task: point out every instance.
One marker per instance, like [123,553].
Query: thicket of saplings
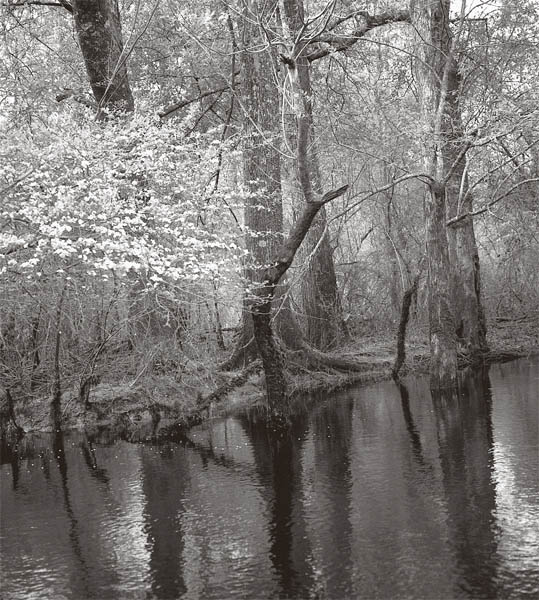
[85,330]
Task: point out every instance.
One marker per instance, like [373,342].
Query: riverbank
[162,406]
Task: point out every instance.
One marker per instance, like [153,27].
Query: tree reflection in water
[163,508]
[332,430]
[464,427]
[376,492]
[277,448]
[58,448]
[415,438]
[9,455]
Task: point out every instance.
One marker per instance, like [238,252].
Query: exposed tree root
[227,387]
[319,359]
[245,347]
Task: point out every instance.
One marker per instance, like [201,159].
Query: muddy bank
[161,407]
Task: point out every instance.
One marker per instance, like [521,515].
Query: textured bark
[403,324]
[262,177]
[431,21]
[341,43]
[272,359]
[283,322]
[99,31]
[466,280]
[261,159]
[261,306]
[320,296]
[443,349]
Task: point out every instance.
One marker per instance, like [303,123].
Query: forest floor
[161,406]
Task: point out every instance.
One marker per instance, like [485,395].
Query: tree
[433,65]
[320,296]
[99,32]
[470,320]
[263,213]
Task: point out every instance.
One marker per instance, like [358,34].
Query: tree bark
[320,296]
[99,32]
[262,175]
[443,349]
[261,305]
[407,298]
[431,21]
[470,322]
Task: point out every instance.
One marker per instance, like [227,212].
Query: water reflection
[163,518]
[415,438]
[277,449]
[380,492]
[89,455]
[331,427]
[464,426]
[80,582]
[9,455]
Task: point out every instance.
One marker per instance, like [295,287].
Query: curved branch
[341,43]
[480,211]
[59,4]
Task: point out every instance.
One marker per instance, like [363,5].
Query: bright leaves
[115,198]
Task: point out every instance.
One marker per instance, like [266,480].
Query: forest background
[193,192]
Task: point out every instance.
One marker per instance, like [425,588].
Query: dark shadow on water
[9,455]
[58,449]
[88,453]
[332,427]
[163,511]
[465,439]
[413,433]
[277,446]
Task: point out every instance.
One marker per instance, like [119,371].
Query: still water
[378,492]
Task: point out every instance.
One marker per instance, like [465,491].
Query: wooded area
[187,187]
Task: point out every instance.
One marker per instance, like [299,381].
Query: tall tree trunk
[431,21]
[470,321]
[320,297]
[99,32]
[443,349]
[261,303]
[262,174]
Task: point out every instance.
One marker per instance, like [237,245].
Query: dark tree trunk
[271,356]
[407,298]
[10,432]
[431,21]
[470,319]
[443,350]
[262,177]
[261,304]
[99,31]
[320,297]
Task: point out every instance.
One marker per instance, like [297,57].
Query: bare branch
[15,183]
[296,236]
[179,105]
[59,4]
[340,43]
[183,103]
[421,176]
[485,209]
[78,97]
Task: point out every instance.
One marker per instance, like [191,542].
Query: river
[376,492]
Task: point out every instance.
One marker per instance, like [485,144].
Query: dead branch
[59,4]
[341,43]
[485,209]
[183,103]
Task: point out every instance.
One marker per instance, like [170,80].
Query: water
[376,493]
